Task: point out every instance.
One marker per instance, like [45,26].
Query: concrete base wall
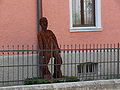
[14,69]
[85,85]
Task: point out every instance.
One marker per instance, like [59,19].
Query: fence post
[118,60]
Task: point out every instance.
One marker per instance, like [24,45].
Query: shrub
[37,80]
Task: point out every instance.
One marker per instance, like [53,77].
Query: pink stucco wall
[18,22]
[57,12]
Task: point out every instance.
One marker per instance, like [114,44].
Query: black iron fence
[86,62]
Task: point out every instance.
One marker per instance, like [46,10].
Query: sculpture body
[47,41]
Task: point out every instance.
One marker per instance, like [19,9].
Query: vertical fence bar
[90,59]
[27,61]
[75,60]
[38,63]
[100,59]
[79,61]
[114,60]
[23,65]
[18,62]
[87,65]
[94,60]
[13,63]
[111,61]
[97,60]
[71,60]
[118,60]
[3,65]
[67,60]
[32,60]
[52,64]
[82,69]
[64,59]
[107,59]
[8,64]
[104,62]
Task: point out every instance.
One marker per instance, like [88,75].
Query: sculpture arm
[55,41]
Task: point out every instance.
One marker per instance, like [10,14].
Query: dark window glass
[83,13]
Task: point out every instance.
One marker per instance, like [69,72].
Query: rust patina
[47,41]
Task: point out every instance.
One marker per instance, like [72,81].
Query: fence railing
[86,62]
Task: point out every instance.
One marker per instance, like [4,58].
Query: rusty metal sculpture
[48,41]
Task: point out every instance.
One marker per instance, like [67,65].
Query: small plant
[37,80]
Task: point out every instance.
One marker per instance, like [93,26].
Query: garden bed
[37,80]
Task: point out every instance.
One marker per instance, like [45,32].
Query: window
[88,68]
[85,15]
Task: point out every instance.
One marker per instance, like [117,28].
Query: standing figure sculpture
[48,42]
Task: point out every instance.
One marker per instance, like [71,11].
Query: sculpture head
[44,23]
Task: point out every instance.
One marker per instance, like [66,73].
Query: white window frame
[98,26]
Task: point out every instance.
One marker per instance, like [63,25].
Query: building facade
[100,21]
[105,16]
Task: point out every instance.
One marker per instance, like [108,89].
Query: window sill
[85,29]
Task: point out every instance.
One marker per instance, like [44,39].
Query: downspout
[39,13]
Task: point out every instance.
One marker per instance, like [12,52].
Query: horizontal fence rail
[86,62]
